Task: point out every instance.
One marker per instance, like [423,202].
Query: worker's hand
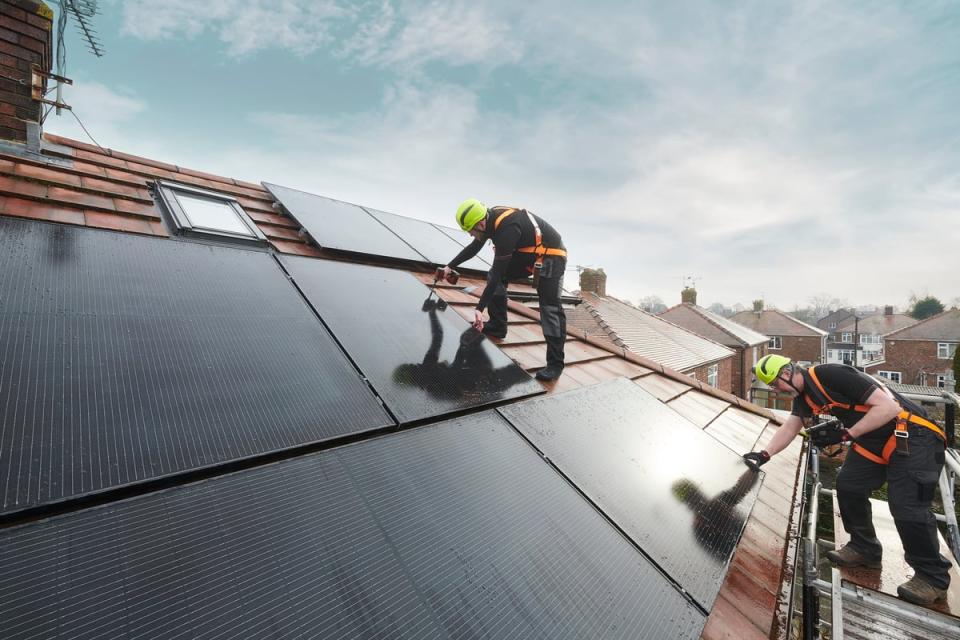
[756,459]
[478,320]
[442,273]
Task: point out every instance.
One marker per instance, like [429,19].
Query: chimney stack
[594,281]
[688,295]
[888,310]
[26,30]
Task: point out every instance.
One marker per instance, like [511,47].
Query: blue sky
[776,149]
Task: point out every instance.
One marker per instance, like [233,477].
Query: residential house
[799,341]
[243,410]
[625,326]
[832,320]
[861,339]
[747,344]
[921,353]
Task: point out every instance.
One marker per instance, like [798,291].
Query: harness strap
[895,441]
[538,249]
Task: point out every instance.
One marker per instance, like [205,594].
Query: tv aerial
[83,13]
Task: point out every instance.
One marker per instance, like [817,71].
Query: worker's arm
[468,252]
[883,409]
[785,434]
[505,244]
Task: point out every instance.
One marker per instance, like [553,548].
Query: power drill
[452,278]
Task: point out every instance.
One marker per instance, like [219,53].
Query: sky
[783,150]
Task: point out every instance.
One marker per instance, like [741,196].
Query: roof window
[198,212]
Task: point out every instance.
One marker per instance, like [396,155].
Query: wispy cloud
[244,26]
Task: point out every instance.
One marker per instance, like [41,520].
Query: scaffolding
[857,605]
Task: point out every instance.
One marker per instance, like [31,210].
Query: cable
[87,132]
[44,118]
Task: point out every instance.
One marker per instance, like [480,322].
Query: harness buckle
[902,434]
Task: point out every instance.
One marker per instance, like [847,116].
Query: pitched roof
[944,326]
[834,316]
[713,326]
[773,322]
[84,185]
[644,333]
[878,324]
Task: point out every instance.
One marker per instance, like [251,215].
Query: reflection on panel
[124,358]
[420,356]
[456,530]
[426,239]
[680,495]
[341,225]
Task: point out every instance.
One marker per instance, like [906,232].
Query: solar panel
[427,239]
[422,358]
[125,358]
[343,226]
[456,530]
[683,497]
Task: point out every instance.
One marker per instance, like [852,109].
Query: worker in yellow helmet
[893,442]
[524,245]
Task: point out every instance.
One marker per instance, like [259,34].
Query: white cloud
[104,111]
[245,26]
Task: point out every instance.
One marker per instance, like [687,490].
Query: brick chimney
[688,295]
[26,32]
[888,310]
[594,281]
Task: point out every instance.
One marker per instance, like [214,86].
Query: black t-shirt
[514,231]
[845,384]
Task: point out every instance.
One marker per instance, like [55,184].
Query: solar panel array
[125,358]
[456,530]
[423,360]
[334,224]
[679,494]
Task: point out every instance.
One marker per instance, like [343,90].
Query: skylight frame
[182,224]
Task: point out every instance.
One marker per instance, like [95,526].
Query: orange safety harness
[538,249]
[897,441]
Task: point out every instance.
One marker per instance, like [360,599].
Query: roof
[773,322]
[82,184]
[86,186]
[944,327]
[713,326]
[837,316]
[644,333]
[878,324]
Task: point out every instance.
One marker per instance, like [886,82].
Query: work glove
[829,436]
[756,459]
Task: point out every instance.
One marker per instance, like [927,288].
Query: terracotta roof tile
[39,211]
[661,386]
[119,223]
[773,322]
[136,208]
[72,196]
[45,174]
[944,326]
[753,599]
[112,187]
[18,187]
[726,622]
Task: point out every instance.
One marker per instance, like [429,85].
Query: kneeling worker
[894,443]
[524,245]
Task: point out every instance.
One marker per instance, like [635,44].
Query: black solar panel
[427,239]
[679,494]
[423,359]
[125,358]
[456,530]
[343,226]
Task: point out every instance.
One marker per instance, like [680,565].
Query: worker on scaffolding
[893,442]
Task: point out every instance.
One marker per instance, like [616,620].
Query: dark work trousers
[911,481]
[553,320]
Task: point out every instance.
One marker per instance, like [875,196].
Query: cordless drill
[452,278]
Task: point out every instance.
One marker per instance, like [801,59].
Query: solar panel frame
[427,239]
[125,359]
[681,496]
[455,530]
[422,358]
[342,226]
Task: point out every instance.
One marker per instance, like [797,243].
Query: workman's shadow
[716,521]
[471,374]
